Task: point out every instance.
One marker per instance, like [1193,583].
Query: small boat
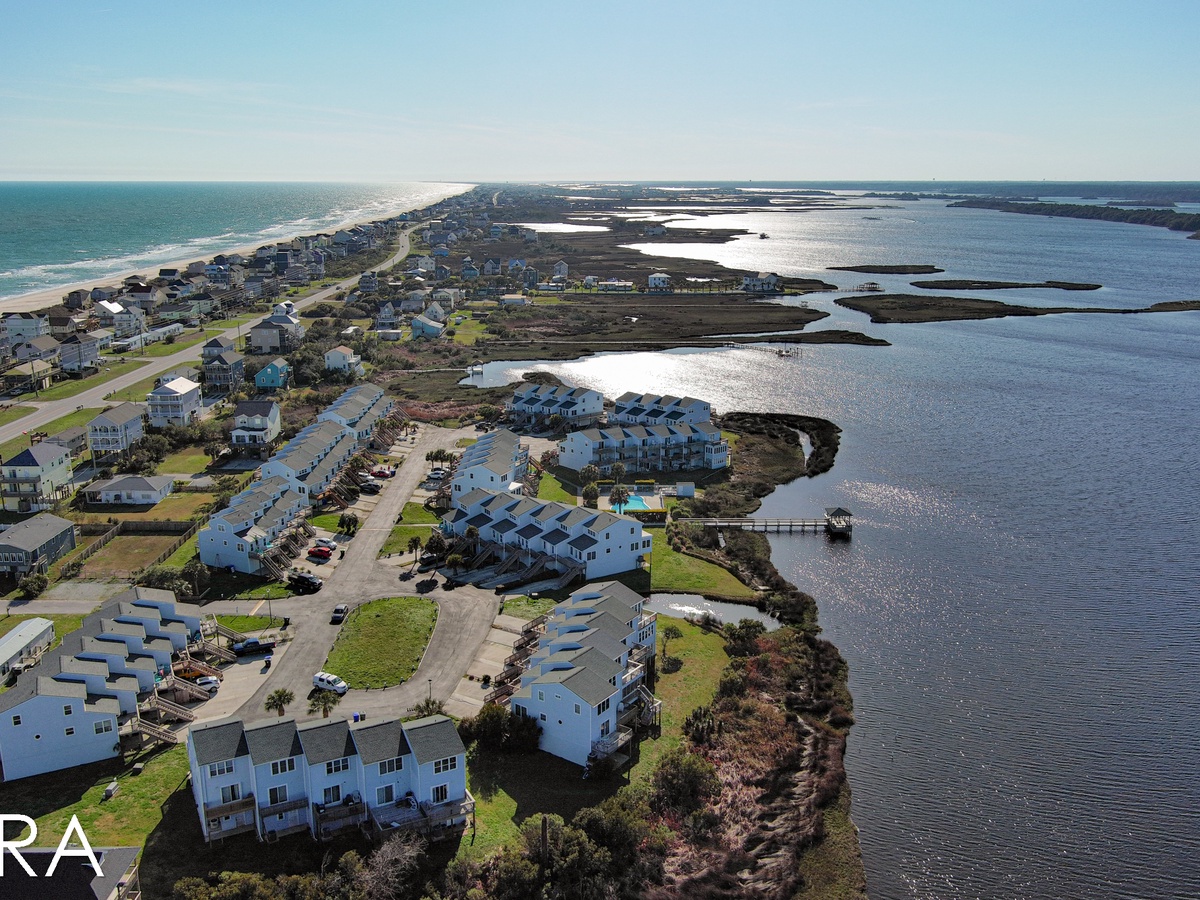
[762,236]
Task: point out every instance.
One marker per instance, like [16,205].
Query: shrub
[33,584]
[683,782]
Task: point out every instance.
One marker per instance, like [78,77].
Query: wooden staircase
[226,632]
[166,708]
[182,685]
[155,732]
[212,649]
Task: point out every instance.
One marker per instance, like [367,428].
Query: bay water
[1020,603]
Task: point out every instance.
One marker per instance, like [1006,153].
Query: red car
[382,473]
[320,552]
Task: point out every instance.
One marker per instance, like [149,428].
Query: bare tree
[388,870]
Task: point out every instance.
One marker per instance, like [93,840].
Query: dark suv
[305,582]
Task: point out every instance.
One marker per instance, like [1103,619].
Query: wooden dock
[836,522]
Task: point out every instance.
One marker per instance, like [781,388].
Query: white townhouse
[176,402]
[68,709]
[588,679]
[117,428]
[651,409]
[659,281]
[342,359]
[275,778]
[256,423]
[251,533]
[35,478]
[24,326]
[311,460]
[495,462]
[548,536]
[642,448]
[25,643]
[534,404]
[359,410]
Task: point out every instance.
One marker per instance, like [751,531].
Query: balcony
[433,820]
[646,620]
[632,674]
[331,819]
[613,743]
[286,806]
[229,809]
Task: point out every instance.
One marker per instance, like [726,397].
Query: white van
[323,681]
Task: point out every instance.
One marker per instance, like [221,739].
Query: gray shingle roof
[433,737]
[272,740]
[380,741]
[219,740]
[34,533]
[323,741]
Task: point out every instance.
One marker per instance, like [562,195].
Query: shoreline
[53,296]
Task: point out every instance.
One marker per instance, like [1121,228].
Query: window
[16,721]
[604,729]
[333,794]
[337,765]
[542,716]
[604,704]
[445,765]
[388,766]
[230,793]
[68,709]
[541,695]
[221,768]
[277,795]
[283,765]
[440,793]
[69,731]
[385,795]
[577,709]
[103,727]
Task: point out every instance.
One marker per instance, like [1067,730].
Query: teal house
[274,376]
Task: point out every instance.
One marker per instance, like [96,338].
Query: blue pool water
[633,503]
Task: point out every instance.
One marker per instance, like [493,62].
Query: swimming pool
[634,502]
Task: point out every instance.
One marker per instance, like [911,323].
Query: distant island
[963,284]
[886,309]
[889,270]
[1163,218]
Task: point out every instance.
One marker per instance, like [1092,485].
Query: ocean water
[1020,603]
[53,234]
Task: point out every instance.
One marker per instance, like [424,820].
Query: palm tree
[454,561]
[323,702]
[618,472]
[414,547]
[472,535]
[590,494]
[588,474]
[618,496]
[278,700]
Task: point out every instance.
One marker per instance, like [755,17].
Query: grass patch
[135,393]
[124,821]
[125,553]
[527,607]
[416,514]
[250,624]
[552,488]
[187,339]
[69,387]
[506,795]
[188,461]
[382,642]
[180,507]
[673,571]
[184,554]
[328,521]
[12,413]
[832,867]
[397,541]
[70,420]
[469,332]
[223,585]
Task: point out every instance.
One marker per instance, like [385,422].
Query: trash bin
[356,717]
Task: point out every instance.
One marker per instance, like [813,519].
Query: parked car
[371,487]
[187,673]
[305,582]
[252,647]
[320,552]
[339,613]
[382,473]
[326,542]
[438,474]
[210,683]
[323,681]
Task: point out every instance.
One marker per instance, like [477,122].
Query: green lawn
[224,585]
[551,488]
[136,392]
[72,386]
[382,642]
[526,607]
[124,821]
[186,551]
[469,332]
[176,507]
[416,514]
[63,624]
[250,624]
[671,571]
[188,461]
[397,541]
[506,795]
[12,413]
[70,420]
[182,342]
[328,521]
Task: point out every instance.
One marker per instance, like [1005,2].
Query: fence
[176,544]
[91,550]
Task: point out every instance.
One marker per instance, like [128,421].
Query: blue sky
[463,90]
